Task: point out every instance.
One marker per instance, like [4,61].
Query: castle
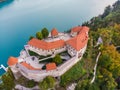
[74,43]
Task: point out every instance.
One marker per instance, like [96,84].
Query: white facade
[73,34]
[47,52]
[71,50]
[39,75]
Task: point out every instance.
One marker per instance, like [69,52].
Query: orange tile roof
[12,61]
[76,29]
[54,32]
[80,29]
[29,66]
[79,41]
[46,45]
[84,29]
[51,66]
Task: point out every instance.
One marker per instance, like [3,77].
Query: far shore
[2,1]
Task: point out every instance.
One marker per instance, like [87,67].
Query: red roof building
[79,41]
[76,29]
[12,61]
[51,66]
[84,29]
[80,29]
[54,32]
[46,45]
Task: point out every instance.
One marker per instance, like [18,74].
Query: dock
[3,67]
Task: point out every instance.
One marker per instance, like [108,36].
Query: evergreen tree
[45,32]
[31,37]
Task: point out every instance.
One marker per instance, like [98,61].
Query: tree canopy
[57,59]
[31,37]
[45,32]
[47,83]
[39,35]
[8,80]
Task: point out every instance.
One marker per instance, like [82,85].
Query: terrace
[61,36]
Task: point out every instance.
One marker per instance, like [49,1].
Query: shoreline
[2,1]
[3,68]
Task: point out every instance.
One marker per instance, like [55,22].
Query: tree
[116,6]
[31,37]
[108,82]
[105,60]
[2,86]
[8,82]
[39,35]
[116,34]
[107,10]
[93,86]
[106,35]
[47,83]
[82,85]
[115,60]
[31,83]
[45,32]
[10,73]
[57,59]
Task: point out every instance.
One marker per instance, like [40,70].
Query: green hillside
[110,17]
[106,26]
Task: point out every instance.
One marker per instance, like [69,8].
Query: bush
[47,83]
[33,53]
[31,37]
[31,83]
[2,87]
[57,59]
[76,71]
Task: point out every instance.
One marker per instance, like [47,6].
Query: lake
[19,19]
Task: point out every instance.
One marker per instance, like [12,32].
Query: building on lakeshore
[74,43]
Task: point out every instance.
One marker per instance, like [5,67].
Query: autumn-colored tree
[116,35]
[108,82]
[10,73]
[114,59]
[39,35]
[8,82]
[106,35]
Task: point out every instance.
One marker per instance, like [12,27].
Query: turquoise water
[21,18]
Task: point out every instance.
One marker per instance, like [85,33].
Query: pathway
[47,58]
[19,87]
[72,86]
[95,67]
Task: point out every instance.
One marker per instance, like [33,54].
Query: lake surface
[20,19]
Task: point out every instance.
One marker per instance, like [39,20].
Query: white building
[74,43]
